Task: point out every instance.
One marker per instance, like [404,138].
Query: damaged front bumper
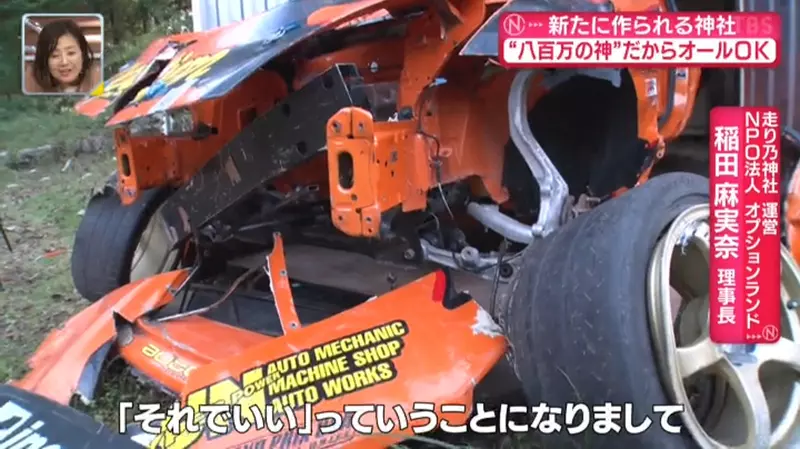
[69,360]
[416,345]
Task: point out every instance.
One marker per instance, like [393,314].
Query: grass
[35,127]
[41,209]
[40,212]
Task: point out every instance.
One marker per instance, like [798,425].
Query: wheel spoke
[697,357]
[743,379]
[677,263]
[783,351]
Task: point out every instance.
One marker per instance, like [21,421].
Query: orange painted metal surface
[458,130]
[355,209]
[429,46]
[58,363]
[168,352]
[398,349]
[281,287]
[461,134]
[394,350]
[147,162]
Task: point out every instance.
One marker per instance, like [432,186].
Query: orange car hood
[208,65]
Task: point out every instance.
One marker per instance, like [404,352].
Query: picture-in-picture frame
[62,54]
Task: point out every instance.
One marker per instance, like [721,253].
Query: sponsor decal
[327,371]
[186,68]
[319,439]
[122,81]
[20,430]
[168,361]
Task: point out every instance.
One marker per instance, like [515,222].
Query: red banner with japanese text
[744,285]
[640,39]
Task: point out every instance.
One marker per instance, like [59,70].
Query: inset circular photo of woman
[62,54]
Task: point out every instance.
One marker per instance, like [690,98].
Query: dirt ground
[40,209]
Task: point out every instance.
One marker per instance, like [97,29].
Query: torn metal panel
[280,287]
[87,383]
[290,134]
[59,366]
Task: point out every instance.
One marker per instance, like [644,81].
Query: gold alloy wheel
[735,396]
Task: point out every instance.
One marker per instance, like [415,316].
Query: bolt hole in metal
[736,396]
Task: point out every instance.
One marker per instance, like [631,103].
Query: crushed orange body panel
[59,362]
[455,126]
[168,352]
[423,353]
[467,115]
[397,351]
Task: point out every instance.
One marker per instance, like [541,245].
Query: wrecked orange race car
[343,203]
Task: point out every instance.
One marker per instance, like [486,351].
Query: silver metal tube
[553,190]
[491,217]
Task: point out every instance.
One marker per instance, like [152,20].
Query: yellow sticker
[185,68]
[121,82]
[189,67]
[324,372]
[98,91]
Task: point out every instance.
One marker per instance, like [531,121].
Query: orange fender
[69,359]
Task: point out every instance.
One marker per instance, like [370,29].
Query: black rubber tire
[578,318]
[699,164]
[106,240]
[674,164]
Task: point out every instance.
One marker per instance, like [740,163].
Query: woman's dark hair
[46,45]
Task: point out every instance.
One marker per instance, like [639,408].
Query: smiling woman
[64,61]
